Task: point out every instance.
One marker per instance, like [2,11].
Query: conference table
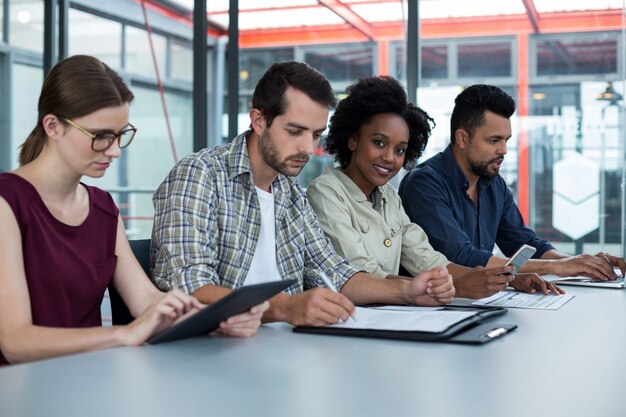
[567,362]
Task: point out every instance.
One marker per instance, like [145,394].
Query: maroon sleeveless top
[67,267]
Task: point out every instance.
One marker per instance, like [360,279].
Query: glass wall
[182,61]
[26,24]
[117,38]
[254,62]
[151,156]
[434,62]
[460,61]
[342,64]
[471,59]
[1,20]
[576,128]
[566,76]
[26,82]
[139,59]
[93,35]
[576,54]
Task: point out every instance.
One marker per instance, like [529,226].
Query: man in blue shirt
[465,206]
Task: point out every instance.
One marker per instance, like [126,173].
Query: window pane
[342,63]
[569,123]
[92,35]
[484,60]
[27,81]
[398,64]
[147,161]
[434,62]
[26,24]
[151,158]
[548,100]
[182,62]
[138,54]
[253,63]
[1,20]
[577,55]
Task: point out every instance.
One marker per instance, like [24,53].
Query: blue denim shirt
[434,195]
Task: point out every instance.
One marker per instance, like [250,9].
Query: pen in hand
[330,285]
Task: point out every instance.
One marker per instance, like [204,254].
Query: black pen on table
[330,285]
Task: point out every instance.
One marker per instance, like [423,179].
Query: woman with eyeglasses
[62,242]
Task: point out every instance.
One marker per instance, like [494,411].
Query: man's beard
[270,155]
[481,169]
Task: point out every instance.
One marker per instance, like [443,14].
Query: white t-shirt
[264,267]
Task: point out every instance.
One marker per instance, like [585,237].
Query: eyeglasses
[103,141]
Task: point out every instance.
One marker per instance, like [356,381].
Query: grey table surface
[568,362]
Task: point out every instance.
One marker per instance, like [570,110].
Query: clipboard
[472,330]
[209,318]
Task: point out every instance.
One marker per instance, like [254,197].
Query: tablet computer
[209,318]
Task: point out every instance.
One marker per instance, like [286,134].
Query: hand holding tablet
[209,319]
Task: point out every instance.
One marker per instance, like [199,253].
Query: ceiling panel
[267,14]
[310,16]
[380,12]
[546,6]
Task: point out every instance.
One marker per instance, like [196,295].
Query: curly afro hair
[367,98]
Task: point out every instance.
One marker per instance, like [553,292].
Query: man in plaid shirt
[235,215]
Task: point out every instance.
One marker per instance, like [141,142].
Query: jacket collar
[354,189]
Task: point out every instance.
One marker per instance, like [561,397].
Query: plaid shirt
[207,224]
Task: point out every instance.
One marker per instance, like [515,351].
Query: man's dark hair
[471,104]
[269,94]
[367,98]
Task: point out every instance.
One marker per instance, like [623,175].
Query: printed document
[511,299]
[415,320]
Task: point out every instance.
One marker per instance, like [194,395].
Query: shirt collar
[354,189]
[238,159]
[454,171]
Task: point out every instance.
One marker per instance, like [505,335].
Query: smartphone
[519,258]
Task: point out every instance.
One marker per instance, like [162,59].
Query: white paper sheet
[428,320]
[511,299]
[406,308]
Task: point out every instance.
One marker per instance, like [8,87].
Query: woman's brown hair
[75,87]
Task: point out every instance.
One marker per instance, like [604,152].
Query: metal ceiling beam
[434,29]
[349,16]
[532,13]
